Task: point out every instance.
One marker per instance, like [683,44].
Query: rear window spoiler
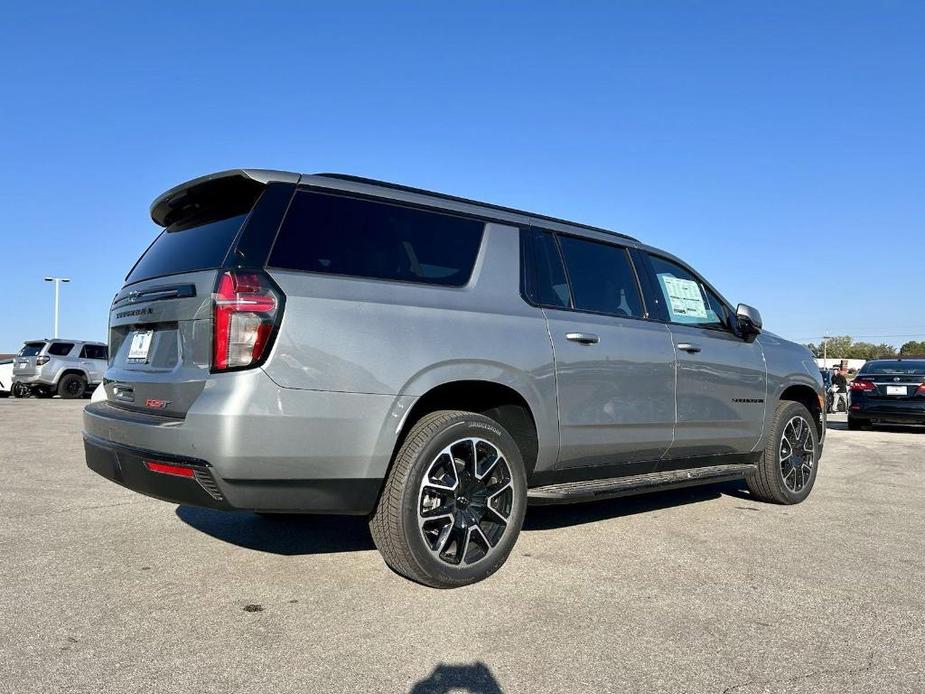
[234,188]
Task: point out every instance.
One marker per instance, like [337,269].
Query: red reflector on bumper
[168,469]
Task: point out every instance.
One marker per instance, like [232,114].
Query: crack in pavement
[815,673]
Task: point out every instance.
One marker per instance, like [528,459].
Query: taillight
[42,360]
[862,386]
[246,310]
[920,390]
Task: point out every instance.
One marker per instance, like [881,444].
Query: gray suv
[68,368]
[332,344]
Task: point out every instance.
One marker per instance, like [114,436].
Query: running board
[591,490]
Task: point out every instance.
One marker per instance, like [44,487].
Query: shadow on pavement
[476,678]
[281,534]
[293,534]
[889,428]
[548,517]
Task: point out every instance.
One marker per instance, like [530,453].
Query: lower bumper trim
[124,465]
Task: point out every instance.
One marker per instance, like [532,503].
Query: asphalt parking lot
[704,590]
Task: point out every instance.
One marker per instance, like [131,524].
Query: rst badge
[156,404]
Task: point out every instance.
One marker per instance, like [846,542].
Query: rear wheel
[72,386]
[856,424]
[19,390]
[787,469]
[453,502]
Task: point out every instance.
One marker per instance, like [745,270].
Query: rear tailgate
[174,313]
[24,363]
[161,322]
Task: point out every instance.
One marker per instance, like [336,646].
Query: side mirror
[749,321]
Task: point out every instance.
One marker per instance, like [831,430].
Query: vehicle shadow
[293,535]
[476,678]
[287,534]
[560,516]
[889,428]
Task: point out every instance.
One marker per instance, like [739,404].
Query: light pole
[57,281]
[825,349]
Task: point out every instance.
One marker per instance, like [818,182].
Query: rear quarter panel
[400,339]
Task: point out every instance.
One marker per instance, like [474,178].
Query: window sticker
[685,301]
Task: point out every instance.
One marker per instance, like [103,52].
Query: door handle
[688,347]
[583,338]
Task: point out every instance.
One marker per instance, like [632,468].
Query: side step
[591,490]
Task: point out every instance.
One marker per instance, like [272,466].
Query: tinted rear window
[31,349]
[601,276]
[94,352]
[60,349]
[913,368]
[201,247]
[345,236]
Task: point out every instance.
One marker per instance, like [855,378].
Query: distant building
[850,364]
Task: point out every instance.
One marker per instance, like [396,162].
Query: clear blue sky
[778,147]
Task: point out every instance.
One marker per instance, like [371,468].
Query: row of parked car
[44,368]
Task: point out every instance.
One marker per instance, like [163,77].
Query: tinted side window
[94,352]
[683,298]
[60,349]
[551,284]
[602,277]
[345,236]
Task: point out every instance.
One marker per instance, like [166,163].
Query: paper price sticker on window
[684,298]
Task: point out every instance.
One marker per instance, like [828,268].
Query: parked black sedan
[888,391]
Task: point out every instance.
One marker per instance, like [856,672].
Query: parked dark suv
[330,344]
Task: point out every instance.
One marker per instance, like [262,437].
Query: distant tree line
[844,347]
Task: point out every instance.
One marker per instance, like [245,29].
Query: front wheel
[787,469]
[453,502]
[20,390]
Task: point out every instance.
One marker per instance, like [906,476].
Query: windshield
[31,349]
[912,368]
[187,249]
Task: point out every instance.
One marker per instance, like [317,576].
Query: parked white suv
[66,367]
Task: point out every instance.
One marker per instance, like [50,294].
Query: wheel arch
[499,401]
[808,397]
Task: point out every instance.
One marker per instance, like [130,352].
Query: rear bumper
[900,411]
[126,466]
[266,448]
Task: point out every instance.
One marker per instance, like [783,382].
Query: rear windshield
[912,368]
[201,247]
[31,349]
[345,236]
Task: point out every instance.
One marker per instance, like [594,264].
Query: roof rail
[468,201]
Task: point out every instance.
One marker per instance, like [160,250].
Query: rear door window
[94,352]
[60,349]
[340,235]
[602,277]
[550,283]
[187,248]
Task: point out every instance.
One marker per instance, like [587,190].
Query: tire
[787,469]
[465,537]
[857,424]
[72,386]
[19,390]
